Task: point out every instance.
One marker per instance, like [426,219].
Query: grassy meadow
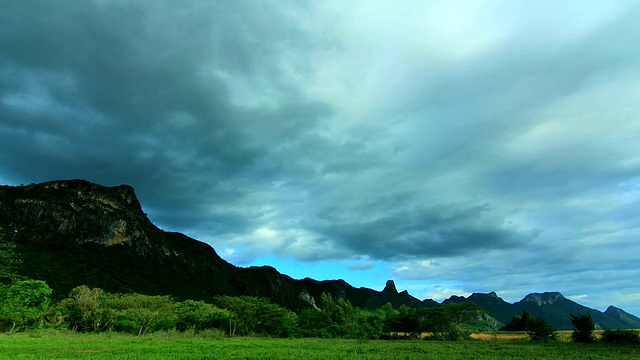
[69,345]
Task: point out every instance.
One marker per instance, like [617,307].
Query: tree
[25,301]
[583,328]
[256,315]
[408,322]
[198,315]
[339,318]
[390,319]
[144,311]
[540,330]
[445,321]
[88,309]
[314,323]
[537,328]
[518,323]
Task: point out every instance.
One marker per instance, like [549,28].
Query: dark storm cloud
[127,92]
[441,231]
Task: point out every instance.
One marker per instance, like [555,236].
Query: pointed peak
[390,287]
[611,307]
[612,310]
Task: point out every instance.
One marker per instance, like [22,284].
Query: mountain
[623,317]
[491,303]
[74,232]
[551,306]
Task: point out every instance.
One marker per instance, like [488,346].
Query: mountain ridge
[551,306]
[74,232]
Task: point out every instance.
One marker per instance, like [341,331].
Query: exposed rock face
[304,296]
[547,298]
[88,212]
[72,233]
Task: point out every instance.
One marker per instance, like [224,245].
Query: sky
[452,146]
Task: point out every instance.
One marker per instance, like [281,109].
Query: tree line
[583,329]
[26,304]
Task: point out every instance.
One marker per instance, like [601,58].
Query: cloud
[494,148]
[362,266]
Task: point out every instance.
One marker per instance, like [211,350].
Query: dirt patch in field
[507,336]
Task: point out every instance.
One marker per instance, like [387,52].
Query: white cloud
[362,266]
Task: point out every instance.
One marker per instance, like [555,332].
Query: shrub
[125,325]
[540,330]
[518,323]
[621,336]
[583,328]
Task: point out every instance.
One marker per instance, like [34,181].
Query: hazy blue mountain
[551,306]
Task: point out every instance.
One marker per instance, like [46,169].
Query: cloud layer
[476,146]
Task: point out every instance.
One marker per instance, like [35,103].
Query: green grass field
[67,345]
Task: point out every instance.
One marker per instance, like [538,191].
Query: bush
[198,315]
[125,325]
[518,323]
[583,328]
[540,330]
[621,336]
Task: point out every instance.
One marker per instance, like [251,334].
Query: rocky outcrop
[82,210]
[547,298]
[390,288]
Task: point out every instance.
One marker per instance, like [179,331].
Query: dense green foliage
[540,330]
[251,315]
[26,304]
[339,318]
[9,262]
[518,322]
[583,328]
[443,322]
[621,336]
[197,316]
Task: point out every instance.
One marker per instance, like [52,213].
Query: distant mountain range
[74,232]
[551,306]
